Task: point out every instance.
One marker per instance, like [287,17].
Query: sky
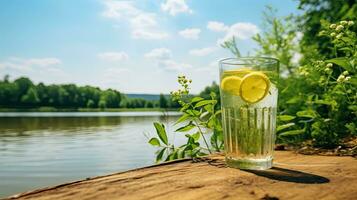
[138,46]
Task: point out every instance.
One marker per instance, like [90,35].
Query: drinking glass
[249,96]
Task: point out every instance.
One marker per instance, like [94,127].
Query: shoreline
[52,109]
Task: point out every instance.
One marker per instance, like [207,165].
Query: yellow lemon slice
[231,84]
[254,87]
[237,72]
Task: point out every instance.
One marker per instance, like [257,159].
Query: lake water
[45,149]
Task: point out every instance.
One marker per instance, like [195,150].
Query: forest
[23,93]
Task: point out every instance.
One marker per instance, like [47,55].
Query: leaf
[353,107]
[154,142]
[208,107]
[160,154]
[182,118]
[196,136]
[284,126]
[185,107]
[185,128]
[292,133]
[218,112]
[195,99]
[324,102]
[174,155]
[294,100]
[307,114]
[160,130]
[342,62]
[353,81]
[205,102]
[193,112]
[204,114]
[286,117]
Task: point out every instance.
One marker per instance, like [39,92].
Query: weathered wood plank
[294,176]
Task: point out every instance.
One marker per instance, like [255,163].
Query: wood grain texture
[294,176]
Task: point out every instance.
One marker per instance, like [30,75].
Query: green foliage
[279,40]
[317,95]
[163,101]
[200,118]
[90,103]
[316,11]
[31,97]
[328,107]
[23,93]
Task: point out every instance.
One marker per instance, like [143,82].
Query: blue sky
[133,46]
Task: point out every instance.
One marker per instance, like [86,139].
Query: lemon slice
[231,84]
[254,87]
[237,72]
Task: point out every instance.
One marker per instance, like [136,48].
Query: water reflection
[42,151]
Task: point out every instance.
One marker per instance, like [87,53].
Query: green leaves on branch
[292,133]
[201,117]
[286,117]
[205,102]
[161,132]
[186,128]
[342,62]
[154,142]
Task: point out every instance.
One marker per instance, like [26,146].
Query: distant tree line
[22,92]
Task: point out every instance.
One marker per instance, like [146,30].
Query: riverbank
[52,109]
[300,176]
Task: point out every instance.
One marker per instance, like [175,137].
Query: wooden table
[294,176]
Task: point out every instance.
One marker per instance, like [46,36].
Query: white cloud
[28,64]
[210,70]
[42,61]
[163,58]
[113,56]
[39,69]
[203,51]
[240,30]
[144,20]
[143,24]
[173,65]
[174,7]
[149,35]
[119,9]
[217,26]
[159,53]
[190,33]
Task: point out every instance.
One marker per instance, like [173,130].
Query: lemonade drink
[249,105]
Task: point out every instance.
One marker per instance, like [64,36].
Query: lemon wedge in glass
[231,84]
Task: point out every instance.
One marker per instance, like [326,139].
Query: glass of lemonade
[249,96]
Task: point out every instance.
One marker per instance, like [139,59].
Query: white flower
[333,26]
[339,36]
[333,34]
[344,22]
[322,32]
[339,28]
[350,23]
[327,70]
[329,65]
[341,78]
[345,73]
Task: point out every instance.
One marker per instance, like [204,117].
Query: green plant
[330,106]
[317,101]
[279,39]
[200,118]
